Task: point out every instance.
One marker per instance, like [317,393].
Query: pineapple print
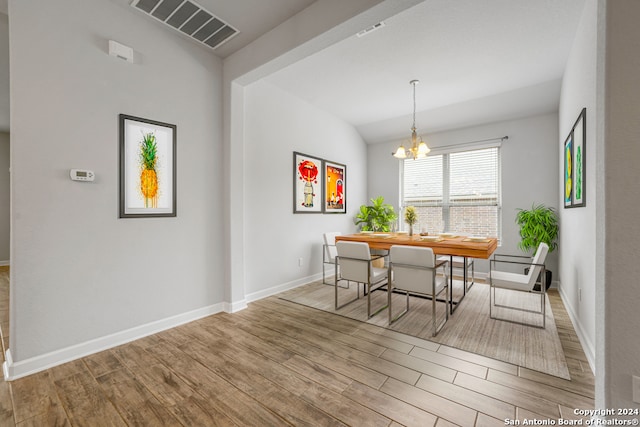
[148,177]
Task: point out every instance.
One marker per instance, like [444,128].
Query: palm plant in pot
[538,224]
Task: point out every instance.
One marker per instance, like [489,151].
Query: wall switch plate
[299,262]
[636,388]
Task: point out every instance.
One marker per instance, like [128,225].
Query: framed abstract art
[575,184]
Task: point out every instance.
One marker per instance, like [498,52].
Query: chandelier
[418,150]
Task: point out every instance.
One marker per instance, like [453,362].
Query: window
[455,191]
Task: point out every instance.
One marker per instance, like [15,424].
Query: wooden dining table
[450,245]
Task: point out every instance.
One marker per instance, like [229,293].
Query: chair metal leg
[370,289]
[335,284]
[493,303]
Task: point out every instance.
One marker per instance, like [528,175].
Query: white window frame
[446,205]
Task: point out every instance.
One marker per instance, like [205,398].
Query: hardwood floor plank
[313,383]
[432,403]
[220,394]
[167,387]
[583,386]
[233,333]
[345,367]
[385,341]
[420,365]
[55,417]
[102,363]
[391,407]
[474,400]
[34,395]
[85,403]
[555,394]
[546,407]
[196,411]
[409,339]
[444,423]
[450,362]
[279,363]
[286,404]
[318,373]
[372,362]
[133,401]
[6,405]
[487,421]
[349,340]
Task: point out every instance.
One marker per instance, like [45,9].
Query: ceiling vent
[371,29]
[189,18]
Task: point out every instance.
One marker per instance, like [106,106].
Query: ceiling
[252,18]
[477,62]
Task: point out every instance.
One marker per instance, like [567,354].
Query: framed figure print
[575,164]
[335,200]
[147,168]
[308,179]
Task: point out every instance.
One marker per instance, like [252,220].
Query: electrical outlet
[300,262]
[636,388]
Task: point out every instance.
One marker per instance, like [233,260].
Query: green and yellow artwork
[578,167]
[568,182]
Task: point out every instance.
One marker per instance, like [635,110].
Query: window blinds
[474,177]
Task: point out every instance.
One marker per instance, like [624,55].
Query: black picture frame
[147,189]
[575,164]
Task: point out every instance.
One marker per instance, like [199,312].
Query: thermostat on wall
[81,175]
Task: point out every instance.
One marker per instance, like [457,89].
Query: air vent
[189,18]
[371,29]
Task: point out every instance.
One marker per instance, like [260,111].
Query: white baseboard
[283,287]
[232,307]
[587,345]
[4,263]
[14,370]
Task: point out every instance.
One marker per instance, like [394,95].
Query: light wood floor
[280,363]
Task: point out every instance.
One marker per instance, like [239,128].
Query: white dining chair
[329,253]
[499,279]
[355,262]
[413,270]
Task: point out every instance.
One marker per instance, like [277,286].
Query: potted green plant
[410,217]
[538,224]
[376,217]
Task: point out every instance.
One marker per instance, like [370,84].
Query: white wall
[5,212]
[276,125]
[4,73]
[529,160]
[621,347]
[578,237]
[320,25]
[78,272]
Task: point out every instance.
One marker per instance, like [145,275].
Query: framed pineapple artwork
[147,168]
[307,183]
[335,187]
